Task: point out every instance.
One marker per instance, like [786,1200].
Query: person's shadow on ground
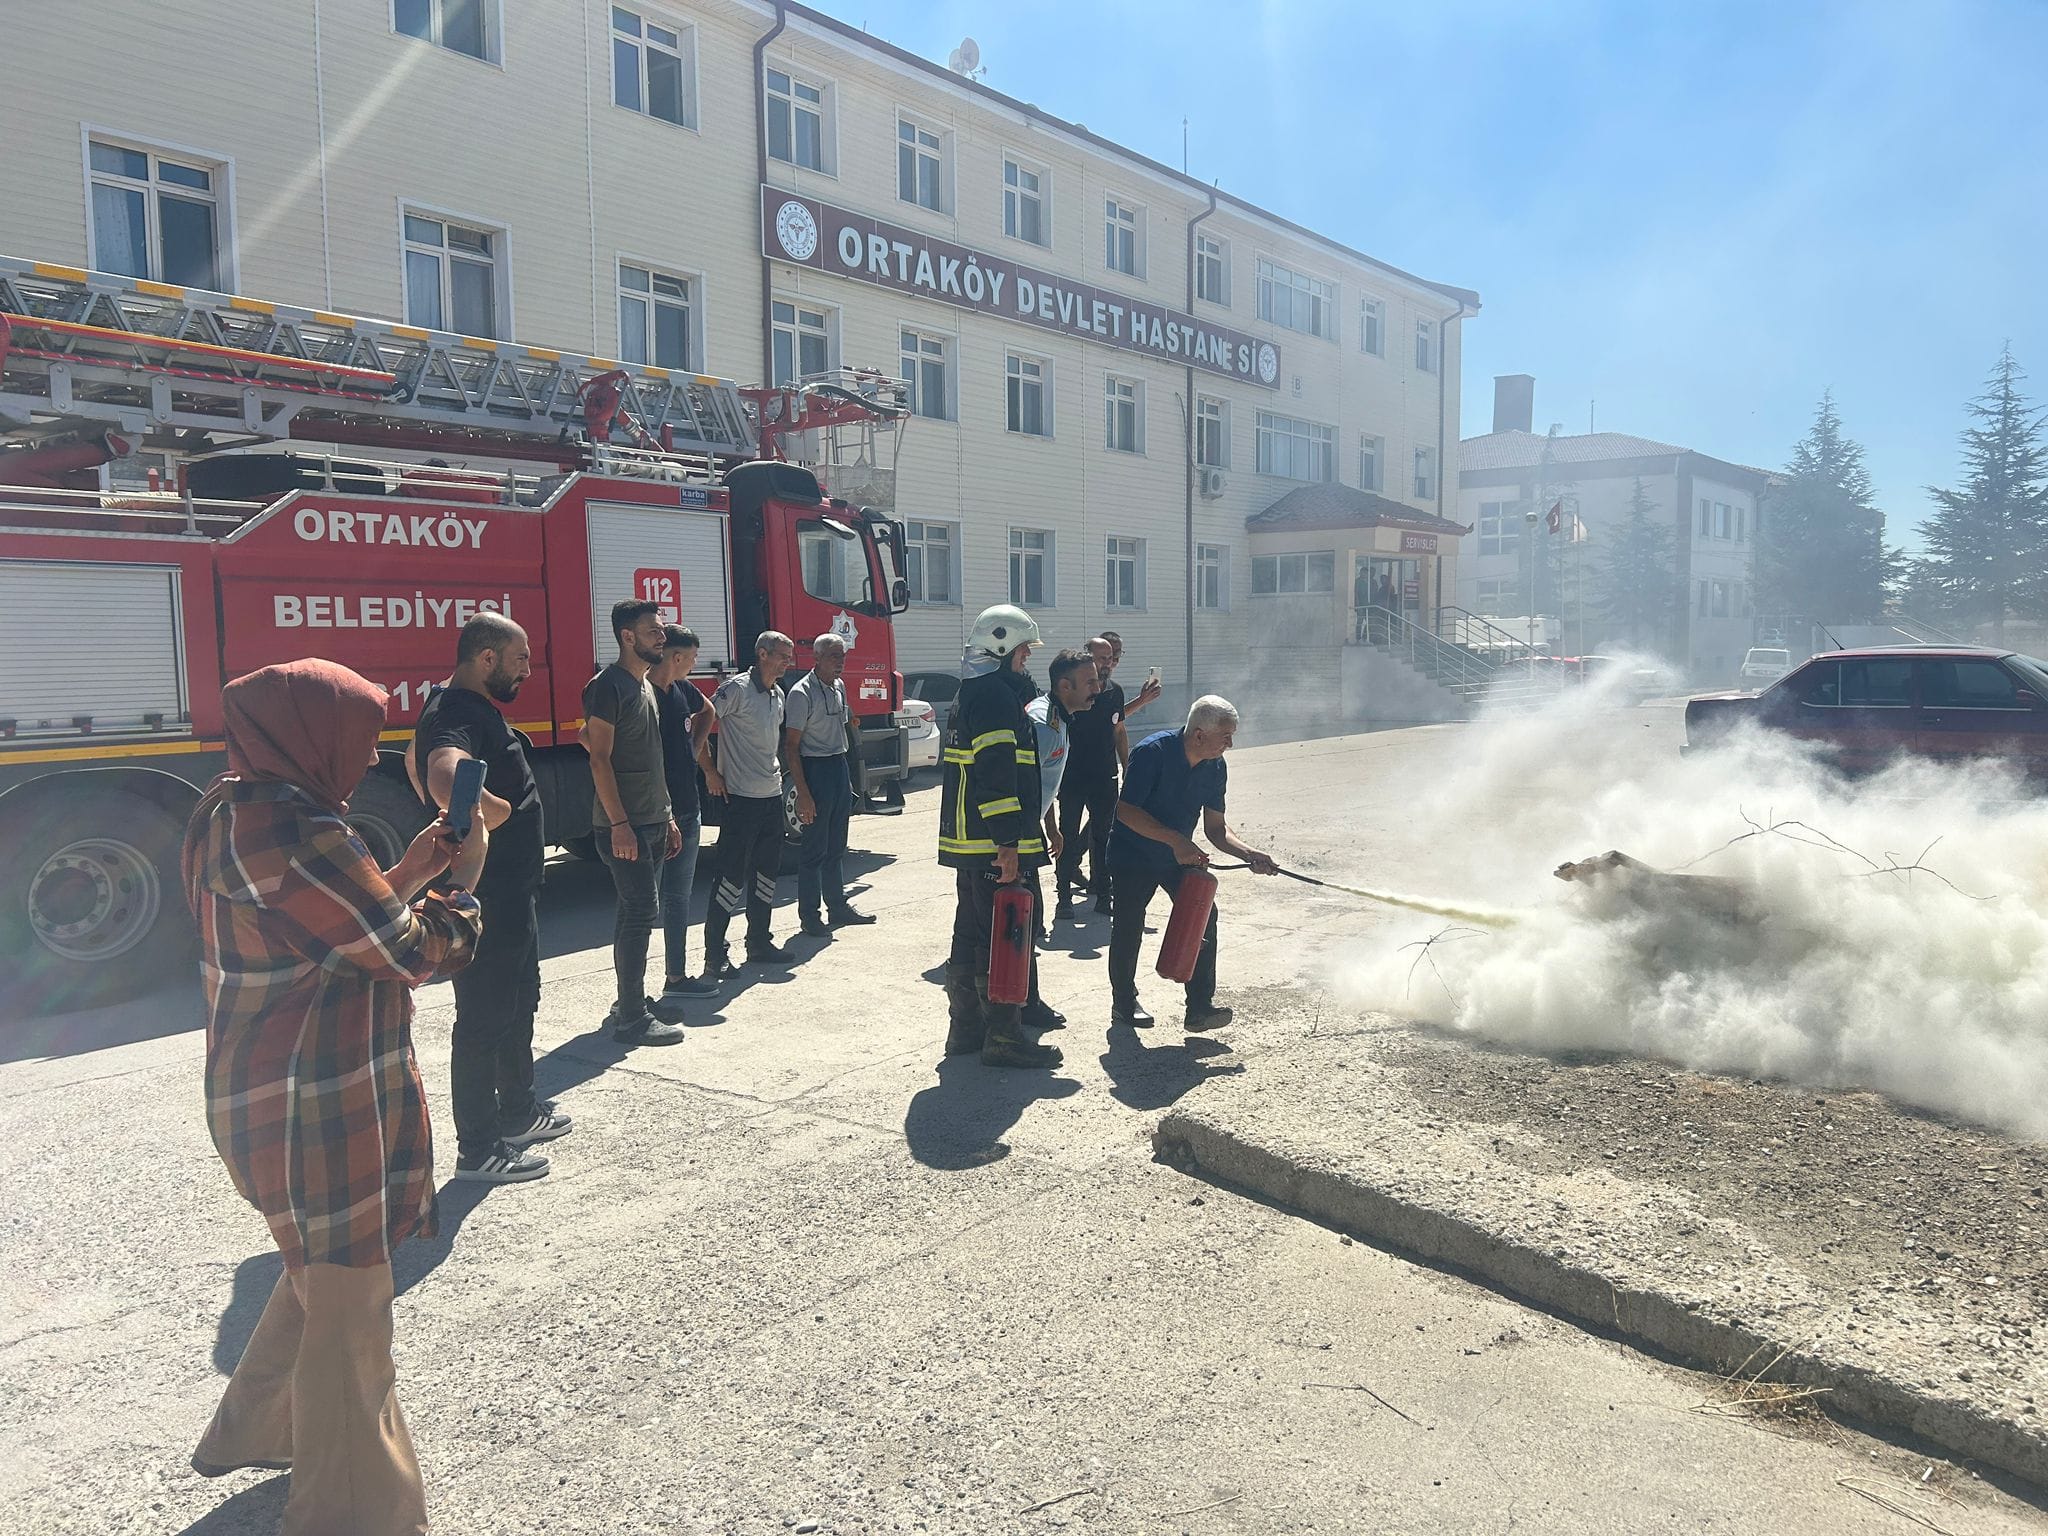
[256,1276]
[1152,1077]
[255,1511]
[958,1122]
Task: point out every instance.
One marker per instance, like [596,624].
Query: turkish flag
[1555,520]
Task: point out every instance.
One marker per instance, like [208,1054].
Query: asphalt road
[796,1275]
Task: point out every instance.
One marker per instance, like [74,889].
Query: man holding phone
[497,1117]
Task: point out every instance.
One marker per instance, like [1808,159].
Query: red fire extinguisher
[1009,946]
[1182,945]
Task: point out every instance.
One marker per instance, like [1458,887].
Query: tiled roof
[1524,450]
[1344,506]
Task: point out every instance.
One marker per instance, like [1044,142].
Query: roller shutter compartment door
[49,680]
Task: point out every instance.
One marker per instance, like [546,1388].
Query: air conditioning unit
[1212,483]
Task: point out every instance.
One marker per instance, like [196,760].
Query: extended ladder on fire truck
[83,353]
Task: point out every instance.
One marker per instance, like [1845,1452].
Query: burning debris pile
[1793,946]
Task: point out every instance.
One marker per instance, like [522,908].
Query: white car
[1763,666]
[924,733]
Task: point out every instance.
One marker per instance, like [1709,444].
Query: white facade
[1708,506]
[590,182]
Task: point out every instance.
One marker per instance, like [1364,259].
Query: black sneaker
[768,954]
[651,1032]
[1019,1053]
[810,926]
[1066,912]
[1131,1015]
[502,1165]
[690,986]
[545,1125]
[667,1008]
[1206,1017]
[1102,905]
[717,965]
[846,917]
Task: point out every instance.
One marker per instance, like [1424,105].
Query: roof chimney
[1514,402]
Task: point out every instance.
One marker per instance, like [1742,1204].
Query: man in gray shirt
[814,742]
[631,821]
[747,777]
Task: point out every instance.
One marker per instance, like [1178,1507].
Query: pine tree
[1634,585]
[1820,552]
[1987,538]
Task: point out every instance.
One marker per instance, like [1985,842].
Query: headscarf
[312,724]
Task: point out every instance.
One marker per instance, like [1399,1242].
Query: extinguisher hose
[1485,917]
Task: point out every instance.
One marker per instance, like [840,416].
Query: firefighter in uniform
[989,829]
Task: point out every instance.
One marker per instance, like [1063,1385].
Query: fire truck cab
[325,486]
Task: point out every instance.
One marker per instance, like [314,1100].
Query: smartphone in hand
[464,794]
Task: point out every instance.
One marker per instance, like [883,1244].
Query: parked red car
[1867,708]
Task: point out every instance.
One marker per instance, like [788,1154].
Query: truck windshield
[835,562]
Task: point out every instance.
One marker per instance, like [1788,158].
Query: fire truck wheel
[102,917]
[387,816]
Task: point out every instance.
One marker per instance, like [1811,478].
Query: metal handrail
[1467,673]
[1487,627]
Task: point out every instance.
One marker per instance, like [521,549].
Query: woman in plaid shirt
[309,957]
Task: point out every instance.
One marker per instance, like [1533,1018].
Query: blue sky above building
[1698,217]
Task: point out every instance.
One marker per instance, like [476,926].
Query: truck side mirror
[899,595]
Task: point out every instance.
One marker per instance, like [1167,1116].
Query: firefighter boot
[1008,1046]
[964,1031]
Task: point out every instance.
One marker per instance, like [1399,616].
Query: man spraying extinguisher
[989,831]
[1174,777]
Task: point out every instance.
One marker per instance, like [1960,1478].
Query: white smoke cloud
[1931,988]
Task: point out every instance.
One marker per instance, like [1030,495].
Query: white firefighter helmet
[1001,629]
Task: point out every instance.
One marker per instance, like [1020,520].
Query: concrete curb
[1696,1331]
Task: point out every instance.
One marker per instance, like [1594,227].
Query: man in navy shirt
[1173,777]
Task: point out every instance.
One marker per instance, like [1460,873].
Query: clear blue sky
[1700,216]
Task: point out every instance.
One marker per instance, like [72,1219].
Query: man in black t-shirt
[497,1117]
[1095,752]
[685,722]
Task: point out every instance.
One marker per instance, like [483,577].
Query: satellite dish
[953,63]
[970,55]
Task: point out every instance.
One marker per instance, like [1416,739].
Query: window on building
[1706,599]
[796,121]
[1124,231]
[655,321]
[1706,517]
[926,369]
[1425,474]
[1497,596]
[452,276]
[1212,432]
[803,340]
[1282,575]
[1738,525]
[1030,397]
[1724,520]
[1372,326]
[1372,462]
[1296,450]
[1212,577]
[461,26]
[654,68]
[1030,566]
[158,216]
[1124,574]
[1425,345]
[1124,414]
[1212,270]
[931,550]
[1497,528]
[920,164]
[1297,301]
[1026,210]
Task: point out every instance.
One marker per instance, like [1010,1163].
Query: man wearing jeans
[490,1069]
[814,746]
[631,821]
[685,723]
[1172,778]
[747,776]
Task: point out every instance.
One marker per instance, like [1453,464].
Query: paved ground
[792,1273]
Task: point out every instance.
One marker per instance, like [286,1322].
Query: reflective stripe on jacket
[989,795]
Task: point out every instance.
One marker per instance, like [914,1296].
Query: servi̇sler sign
[812,234]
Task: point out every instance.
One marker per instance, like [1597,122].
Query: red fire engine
[324,485]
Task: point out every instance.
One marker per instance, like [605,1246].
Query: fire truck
[194,485]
